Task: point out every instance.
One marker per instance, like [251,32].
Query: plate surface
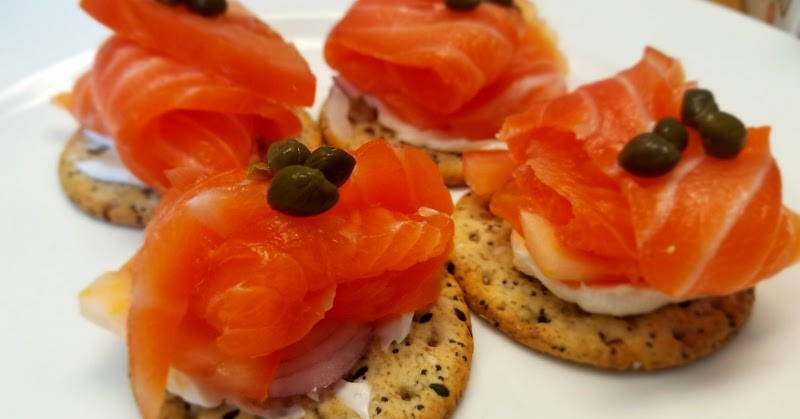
[55,364]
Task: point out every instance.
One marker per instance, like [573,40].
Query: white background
[55,364]
[35,33]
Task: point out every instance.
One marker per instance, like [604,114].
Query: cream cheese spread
[339,107]
[104,164]
[354,395]
[617,300]
[394,330]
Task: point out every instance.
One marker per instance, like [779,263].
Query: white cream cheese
[182,385]
[339,107]
[617,300]
[354,395]
[104,164]
[395,330]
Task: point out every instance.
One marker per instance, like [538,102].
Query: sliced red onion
[319,359]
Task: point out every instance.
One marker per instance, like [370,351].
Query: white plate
[55,364]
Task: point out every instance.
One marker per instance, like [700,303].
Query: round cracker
[521,307]
[422,377]
[121,203]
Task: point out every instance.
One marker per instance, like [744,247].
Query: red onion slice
[319,359]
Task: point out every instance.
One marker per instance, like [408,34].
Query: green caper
[462,5]
[697,102]
[724,135]
[649,155]
[208,8]
[335,163]
[672,129]
[301,191]
[259,171]
[286,153]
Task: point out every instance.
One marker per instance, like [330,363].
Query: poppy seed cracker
[521,307]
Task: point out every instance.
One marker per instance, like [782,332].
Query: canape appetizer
[627,224]
[439,75]
[177,85]
[296,287]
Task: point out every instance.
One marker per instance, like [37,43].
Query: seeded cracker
[422,377]
[123,204]
[363,121]
[521,307]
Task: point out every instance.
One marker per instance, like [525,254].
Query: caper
[724,135]
[697,102]
[301,191]
[208,8]
[462,5]
[672,129]
[649,155]
[335,163]
[286,153]
[507,3]
[259,171]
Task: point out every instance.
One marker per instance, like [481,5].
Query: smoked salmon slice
[161,92]
[460,72]
[235,45]
[224,283]
[708,227]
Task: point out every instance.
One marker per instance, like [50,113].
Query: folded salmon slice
[245,281]
[174,89]
[235,45]
[462,72]
[708,227]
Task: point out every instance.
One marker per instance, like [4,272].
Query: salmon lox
[456,71]
[235,45]
[223,283]
[708,227]
[174,89]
